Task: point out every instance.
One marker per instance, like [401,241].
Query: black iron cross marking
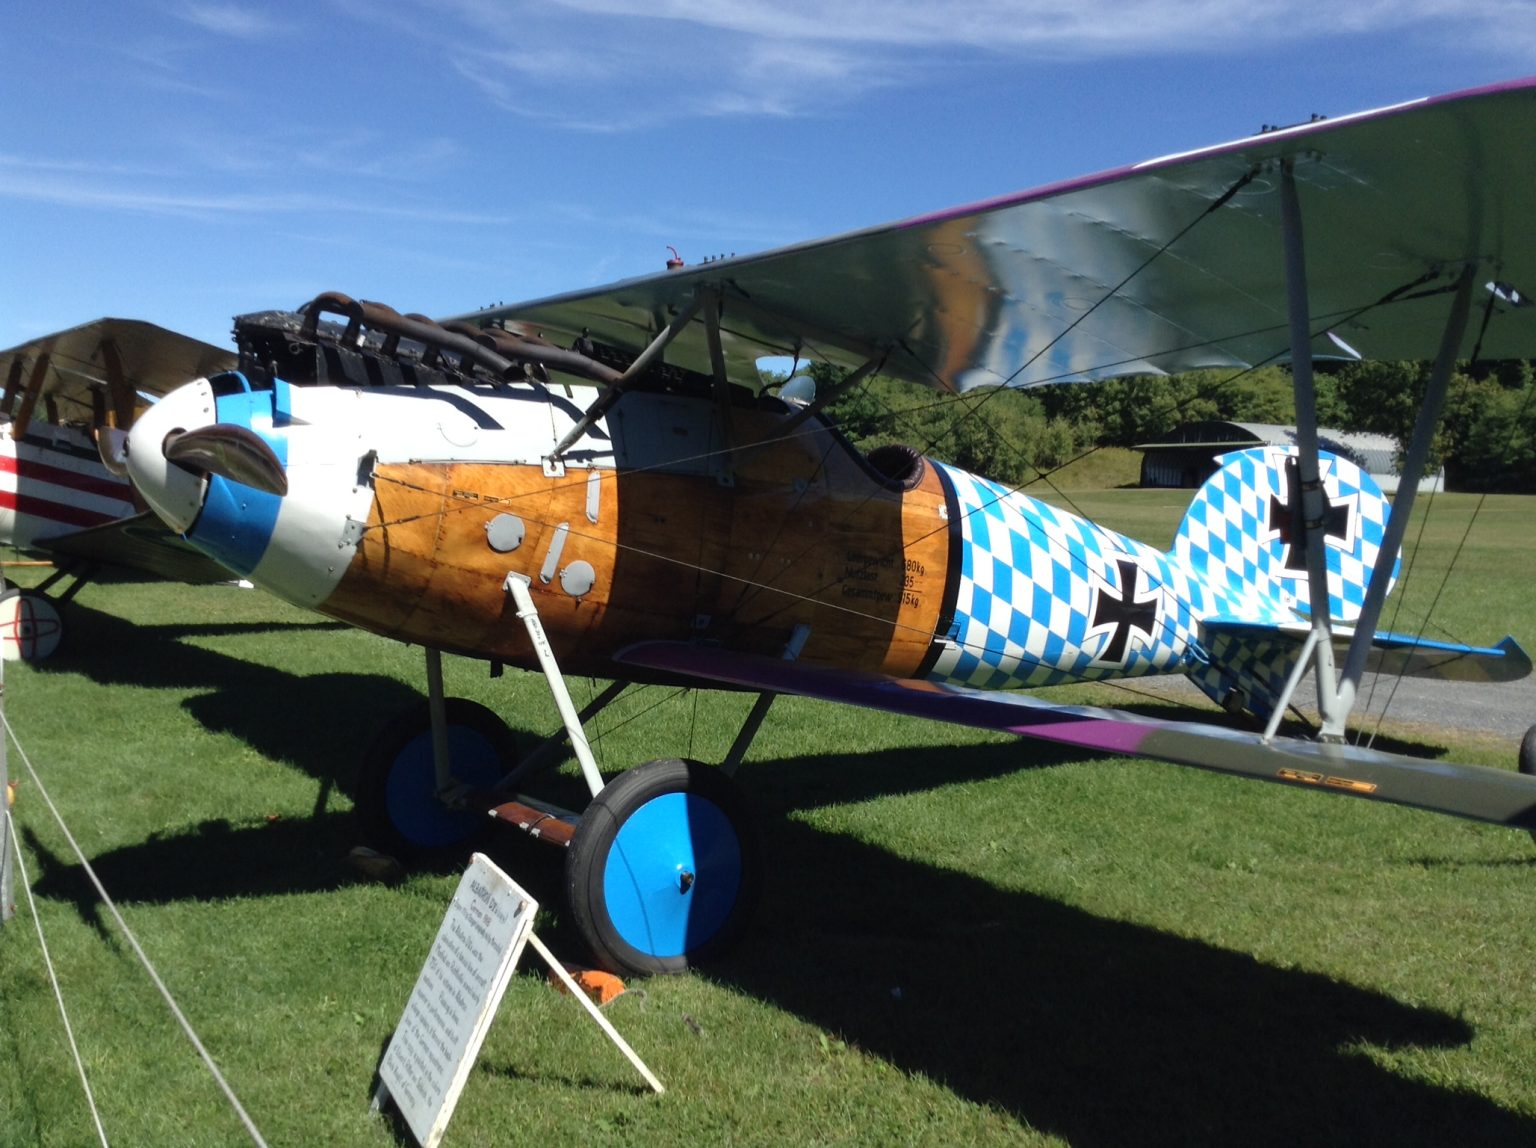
[1125,613]
[1286,519]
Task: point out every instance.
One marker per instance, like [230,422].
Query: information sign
[450,1009]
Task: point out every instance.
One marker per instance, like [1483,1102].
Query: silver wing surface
[1163,266]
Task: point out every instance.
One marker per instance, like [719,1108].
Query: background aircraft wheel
[396,801]
[1526,761]
[30,628]
[663,870]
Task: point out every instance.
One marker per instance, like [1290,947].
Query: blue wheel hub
[410,794]
[673,875]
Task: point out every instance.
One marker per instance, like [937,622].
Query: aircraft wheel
[663,870]
[396,801]
[1526,761]
[30,627]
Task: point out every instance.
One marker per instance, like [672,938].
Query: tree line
[1486,440]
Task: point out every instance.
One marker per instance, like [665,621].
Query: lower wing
[141,542]
[1478,792]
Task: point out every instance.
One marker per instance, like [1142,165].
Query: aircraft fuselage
[671,519]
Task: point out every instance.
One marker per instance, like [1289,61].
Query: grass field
[963,939]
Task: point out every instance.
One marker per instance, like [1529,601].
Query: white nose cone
[176,495]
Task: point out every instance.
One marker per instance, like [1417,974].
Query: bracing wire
[133,941]
[1456,554]
[53,979]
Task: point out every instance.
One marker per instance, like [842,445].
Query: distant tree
[1491,432]
[1486,441]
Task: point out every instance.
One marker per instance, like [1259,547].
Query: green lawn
[963,939]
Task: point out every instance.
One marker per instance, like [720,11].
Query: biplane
[57,498]
[602,483]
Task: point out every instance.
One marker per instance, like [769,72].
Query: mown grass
[963,938]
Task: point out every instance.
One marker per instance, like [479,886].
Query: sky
[184,161]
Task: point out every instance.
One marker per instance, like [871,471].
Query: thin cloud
[233,20]
[1087,26]
[639,63]
[66,191]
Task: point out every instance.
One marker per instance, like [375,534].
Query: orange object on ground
[600,986]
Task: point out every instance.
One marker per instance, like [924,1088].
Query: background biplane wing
[141,542]
[1477,792]
[96,373]
[1164,266]
[56,496]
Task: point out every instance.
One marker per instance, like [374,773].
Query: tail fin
[1243,532]
[1242,540]
[1243,537]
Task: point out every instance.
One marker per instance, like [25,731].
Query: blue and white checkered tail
[1244,538]
[1244,532]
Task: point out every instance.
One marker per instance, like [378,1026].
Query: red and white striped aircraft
[57,499]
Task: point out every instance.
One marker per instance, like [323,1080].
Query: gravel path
[1504,710]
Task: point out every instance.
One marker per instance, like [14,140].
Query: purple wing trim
[1478,792]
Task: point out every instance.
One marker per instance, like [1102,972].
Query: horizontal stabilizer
[1481,793]
[1398,655]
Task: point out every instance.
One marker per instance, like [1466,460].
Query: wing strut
[121,393]
[1313,507]
[718,370]
[604,402]
[1336,693]
[29,396]
[1407,490]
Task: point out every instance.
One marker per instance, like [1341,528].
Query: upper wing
[101,367]
[93,375]
[1477,792]
[1167,265]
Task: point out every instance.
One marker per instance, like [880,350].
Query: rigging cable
[133,941]
[1530,391]
[53,978]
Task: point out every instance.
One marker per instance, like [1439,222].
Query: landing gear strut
[662,868]
[402,811]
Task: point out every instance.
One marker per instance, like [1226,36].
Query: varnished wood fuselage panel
[799,532]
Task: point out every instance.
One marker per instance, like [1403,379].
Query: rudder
[1243,533]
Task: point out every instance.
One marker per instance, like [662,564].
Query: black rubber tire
[444,836]
[1525,762]
[708,828]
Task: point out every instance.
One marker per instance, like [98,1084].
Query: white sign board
[450,1009]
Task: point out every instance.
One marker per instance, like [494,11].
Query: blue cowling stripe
[237,521]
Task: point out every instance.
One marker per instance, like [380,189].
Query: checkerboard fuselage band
[1045,596]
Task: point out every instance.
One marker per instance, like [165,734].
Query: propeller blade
[112,446]
[232,452]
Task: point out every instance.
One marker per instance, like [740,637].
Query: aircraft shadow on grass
[1100,1031]
[320,723]
[317,723]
